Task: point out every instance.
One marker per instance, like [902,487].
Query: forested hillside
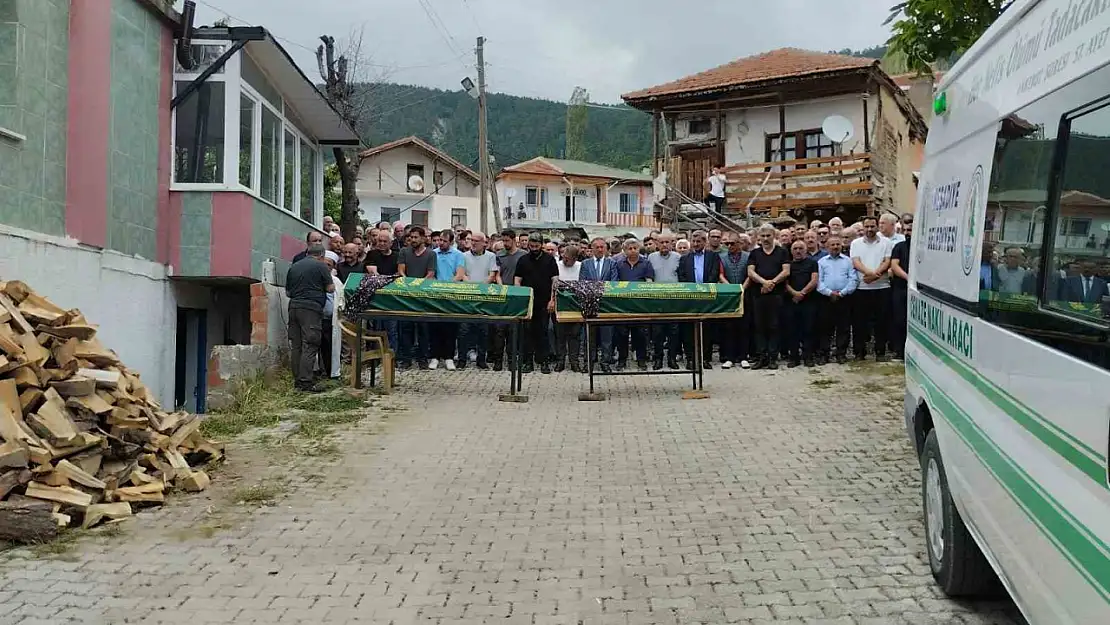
[520,128]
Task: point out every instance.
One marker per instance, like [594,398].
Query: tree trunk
[348,179]
[27,521]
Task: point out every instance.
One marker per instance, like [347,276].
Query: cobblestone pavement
[786,497]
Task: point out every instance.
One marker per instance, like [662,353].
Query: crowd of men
[814,294]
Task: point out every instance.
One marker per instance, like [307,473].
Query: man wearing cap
[537,270]
[307,283]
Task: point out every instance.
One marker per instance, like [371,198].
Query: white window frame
[633,203]
[234,88]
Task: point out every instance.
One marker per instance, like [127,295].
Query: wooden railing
[800,183]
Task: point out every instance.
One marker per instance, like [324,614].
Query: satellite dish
[416,183]
[837,128]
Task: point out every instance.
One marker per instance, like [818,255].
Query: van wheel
[957,563]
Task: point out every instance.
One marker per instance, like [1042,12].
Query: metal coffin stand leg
[515,369]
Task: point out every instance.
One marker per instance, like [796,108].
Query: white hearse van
[1008,352]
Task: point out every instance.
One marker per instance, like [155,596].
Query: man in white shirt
[715,184]
[664,262]
[871,303]
[479,265]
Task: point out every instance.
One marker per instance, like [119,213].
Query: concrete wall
[133,142]
[387,173]
[586,201]
[231,234]
[129,299]
[33,85]
[895,157]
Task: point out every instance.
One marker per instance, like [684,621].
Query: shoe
[461,364]
[528,368]
[560,366]
[641,365]
[672,364]
[774,364]
[404,365]
[621,365]
[707,364]
[861,357]
[898,357]
[726,364]
[841,359]
[809,362]
[433,364]
[544,368]
[821,360]
[482,364]
[882,358]
[657,365]
[689,365]
[793,363]
[758,364]
[497,366]
[744,364]
[449,364]
[575,367]
[605,368]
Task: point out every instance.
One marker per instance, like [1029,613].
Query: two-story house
[558,193]
[151,180]
[412,181]
[762,117]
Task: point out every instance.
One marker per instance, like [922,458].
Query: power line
[466,3]
[442,29]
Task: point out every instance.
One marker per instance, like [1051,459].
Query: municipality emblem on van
[973,198]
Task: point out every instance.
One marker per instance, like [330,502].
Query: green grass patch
[61,547]
[871,367]
[871,386]
[823,382]
[263,493]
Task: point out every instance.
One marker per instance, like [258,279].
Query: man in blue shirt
[837,279]
[450,267]
[633,268]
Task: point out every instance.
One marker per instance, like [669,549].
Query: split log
[29,400]
[184,432]
[63,520]
[89,462]
[66,352]
[10,480]
[148,492]
[78,475]
[26,375]
[27,521]
[33,351]
[53,424]
[75,387]
[17,317]
[111,511]
[104,378]
[79,331]
[14,455]
[39,309]
[60,494]
[11,426]
[196,481]
[96,353]
[10,342]
[17,290]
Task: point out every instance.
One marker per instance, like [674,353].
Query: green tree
[333,200]
[577,120]
[928,31]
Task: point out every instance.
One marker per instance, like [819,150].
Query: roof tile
[781,63]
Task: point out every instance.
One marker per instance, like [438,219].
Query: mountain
[520,128]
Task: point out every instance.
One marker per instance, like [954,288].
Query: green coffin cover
[658,300]
[421,297]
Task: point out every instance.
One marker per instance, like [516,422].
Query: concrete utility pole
[483,141]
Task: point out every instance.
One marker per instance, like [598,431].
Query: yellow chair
[375,348]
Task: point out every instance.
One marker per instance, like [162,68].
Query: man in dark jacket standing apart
[307,284]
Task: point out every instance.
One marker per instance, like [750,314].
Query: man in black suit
[700,266]
[1086,287]
[600,267]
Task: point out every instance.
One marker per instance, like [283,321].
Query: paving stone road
[787,497]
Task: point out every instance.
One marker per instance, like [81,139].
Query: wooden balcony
[806,183]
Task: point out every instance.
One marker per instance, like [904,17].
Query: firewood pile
[82,440]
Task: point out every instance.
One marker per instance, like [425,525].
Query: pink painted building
[146,190]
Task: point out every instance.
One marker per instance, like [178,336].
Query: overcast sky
[544,48]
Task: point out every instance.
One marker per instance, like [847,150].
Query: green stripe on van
[1071,449]
[1081,547]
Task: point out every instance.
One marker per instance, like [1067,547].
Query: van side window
[1046,261]
[1080,245]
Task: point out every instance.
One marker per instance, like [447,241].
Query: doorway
[191,364]
[570,207]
